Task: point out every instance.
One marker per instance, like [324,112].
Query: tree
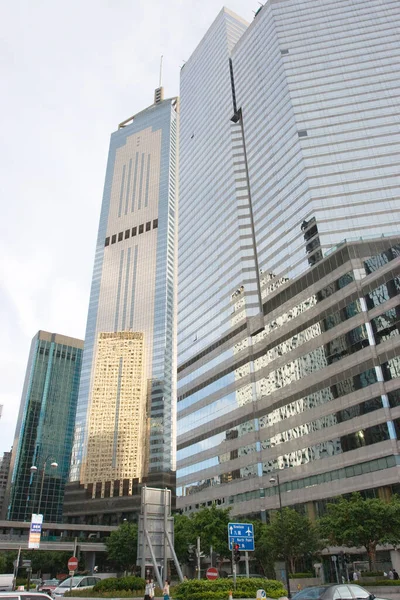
[292,536]
[263,549]
[211,525]
[184,537]
[362,523]
[122,546]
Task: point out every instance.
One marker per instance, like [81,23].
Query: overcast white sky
[69,73]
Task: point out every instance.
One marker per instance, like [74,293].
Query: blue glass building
[45,428]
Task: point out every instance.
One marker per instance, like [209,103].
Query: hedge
[301,575]
[123,583]
[198,589]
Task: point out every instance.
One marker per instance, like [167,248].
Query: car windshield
[67,582]
[311,592]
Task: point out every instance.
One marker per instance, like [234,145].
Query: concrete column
[395,559]
[385,493]
[90,560]
[311,512]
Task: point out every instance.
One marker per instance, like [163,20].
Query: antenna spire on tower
[161,60]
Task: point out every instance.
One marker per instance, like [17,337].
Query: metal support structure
[153,558]
[177,565]
[143,565]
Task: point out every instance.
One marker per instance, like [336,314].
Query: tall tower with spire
[125,427]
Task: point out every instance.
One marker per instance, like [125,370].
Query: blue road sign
[242,534]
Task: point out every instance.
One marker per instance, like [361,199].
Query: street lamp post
[34,469]
[276,480]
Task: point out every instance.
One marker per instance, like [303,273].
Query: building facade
[125,427]
[45,428]
[287,333]
[4,475]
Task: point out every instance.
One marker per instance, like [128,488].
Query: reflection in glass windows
[352,441]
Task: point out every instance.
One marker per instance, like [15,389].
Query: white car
[78,582]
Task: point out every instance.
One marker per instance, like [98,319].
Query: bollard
[230,594]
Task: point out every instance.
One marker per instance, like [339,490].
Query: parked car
[6,582]
[18,595]
[48,586]
[78,582]
[345,591]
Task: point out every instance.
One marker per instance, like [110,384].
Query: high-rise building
[289,262]
[125,426]
[4,475]
[45,428]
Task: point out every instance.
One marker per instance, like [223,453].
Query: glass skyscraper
[288,303]
[125,426]
[45,428]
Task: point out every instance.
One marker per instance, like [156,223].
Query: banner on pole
[35,531]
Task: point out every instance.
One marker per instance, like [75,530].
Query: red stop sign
[72,563]
[212,573]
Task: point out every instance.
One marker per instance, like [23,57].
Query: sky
[69,73]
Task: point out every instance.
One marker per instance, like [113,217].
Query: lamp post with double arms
[273,480]
[34,469]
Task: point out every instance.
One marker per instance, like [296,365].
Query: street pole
[233,567]
[41,487]
[246,558]
[198,558]
[272,480]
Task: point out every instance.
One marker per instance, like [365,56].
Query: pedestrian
[185,578]
[355,576]
[166,590]
[153,587]
[391,574]
[148,590]
[395,574]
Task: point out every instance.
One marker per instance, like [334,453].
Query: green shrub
[123,583]
[372,574]
[301,575]
[198,589]
[387,582]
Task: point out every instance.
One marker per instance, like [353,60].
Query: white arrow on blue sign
[241,534]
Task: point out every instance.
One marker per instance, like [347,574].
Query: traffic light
[236,553]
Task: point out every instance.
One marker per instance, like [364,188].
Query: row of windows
[135,230]
[370,466]
[326,449]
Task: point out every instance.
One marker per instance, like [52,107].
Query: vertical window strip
[121,193]
[146,201]
[141,182]
[127,274]
[128,186]
[116,424]
[134,271]
[134,181]
[121,262]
